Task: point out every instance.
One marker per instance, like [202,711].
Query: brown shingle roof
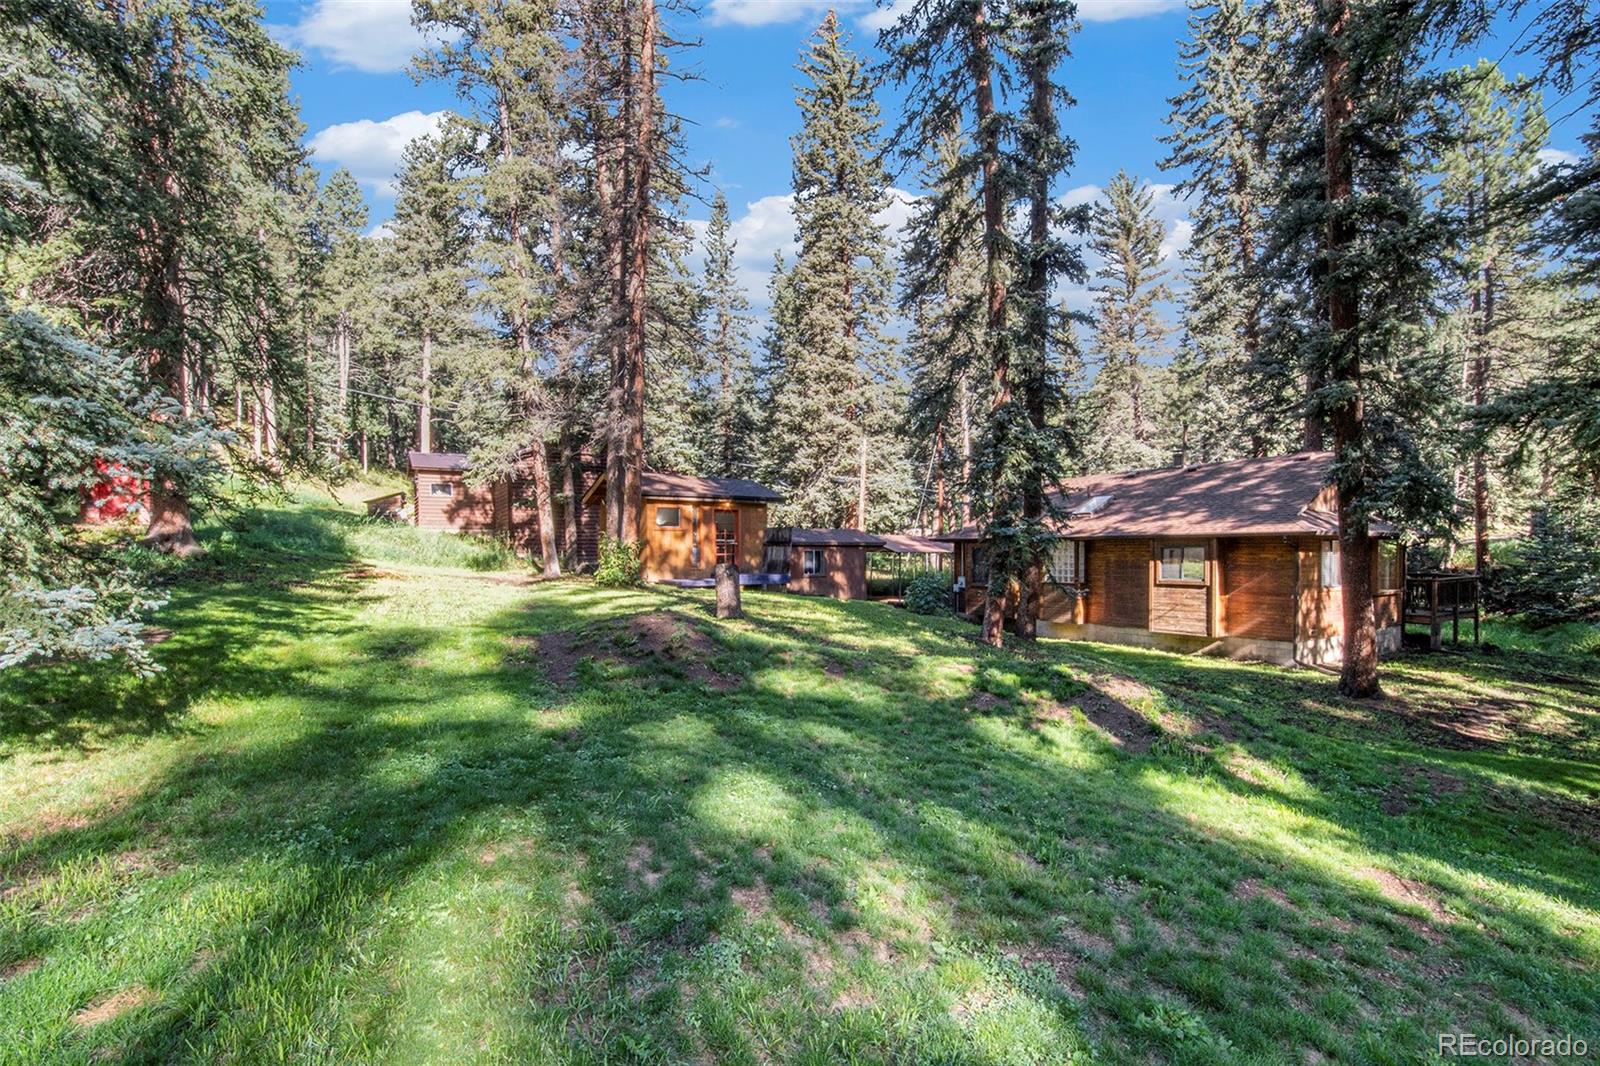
[1240,497]
[907,544]
[690,487]
[452,461]
[822,538]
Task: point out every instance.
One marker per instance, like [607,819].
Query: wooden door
[727,537]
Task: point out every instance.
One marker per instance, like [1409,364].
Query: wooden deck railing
[1432,599]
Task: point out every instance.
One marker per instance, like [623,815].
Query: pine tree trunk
[988,137]
[171,527]
[1041,116]
[363,451]
[966,453]
[255,428]
[1359,675]
[638,159]
[549,552]
[425,408]
[569,488]
[1480,397]
[861,486]
[938,478]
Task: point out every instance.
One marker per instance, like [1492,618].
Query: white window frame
[442,488]
[1329,552]
[677,518]
[812,562]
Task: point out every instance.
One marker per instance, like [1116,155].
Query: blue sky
[360,107]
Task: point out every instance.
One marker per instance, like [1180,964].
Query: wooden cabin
[821,562]
[505,507]
[1236,558]
[690,524]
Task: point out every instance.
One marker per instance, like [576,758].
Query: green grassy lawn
[393,801]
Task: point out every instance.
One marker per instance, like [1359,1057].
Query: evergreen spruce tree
[1218,134]
[342,220]
[505,60]
[429,291]
[1351,260]
[1129,330]
[1489,168]
[727,443]
[827,421]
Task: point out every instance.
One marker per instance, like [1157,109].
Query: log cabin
[689,524]
[821,562]
[447,500]
[1236,558]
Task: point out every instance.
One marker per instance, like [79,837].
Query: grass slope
[374,811]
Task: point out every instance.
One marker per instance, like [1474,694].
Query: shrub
[1554,575]
[928,592]
[619,564]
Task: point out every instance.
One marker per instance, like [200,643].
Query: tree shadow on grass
[828,870]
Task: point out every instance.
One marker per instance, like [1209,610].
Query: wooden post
[1435,639]
[727,576]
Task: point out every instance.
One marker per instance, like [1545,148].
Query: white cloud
[1557,157]
[382,231]
[881,18]
[1177,239]
[767,226]
[372,150]
[726,122]
[1116,10]
[765,12]
[375,36]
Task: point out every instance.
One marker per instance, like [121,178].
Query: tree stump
[727,576]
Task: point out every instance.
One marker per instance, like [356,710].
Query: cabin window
[812,564]
[1184,562]
[442,488]
[668,517]
[1330,564]
[1389,576]
[980,566]
[1066,562]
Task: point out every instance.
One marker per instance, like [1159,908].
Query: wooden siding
[844,573]
[1119,583]
[1179,609]
[669,552]
[466,510]
[1321,610]
[1259,580]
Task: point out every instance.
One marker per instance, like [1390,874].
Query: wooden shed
[690,524]
[822,562]
[444,499]
[1236,558]
[505,507]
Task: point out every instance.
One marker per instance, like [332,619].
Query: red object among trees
[118,494]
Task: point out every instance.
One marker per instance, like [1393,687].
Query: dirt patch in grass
[1397,797]
[640,861]
[113,1006]
[1485,722]
[654,637]
[1251,888]
[21,968]
[1405,890]
[1126,727]
[1060,961]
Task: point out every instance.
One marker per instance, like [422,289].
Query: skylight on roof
[1094,505]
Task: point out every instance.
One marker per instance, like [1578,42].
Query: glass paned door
[727,537]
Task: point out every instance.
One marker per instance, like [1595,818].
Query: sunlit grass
[359,818]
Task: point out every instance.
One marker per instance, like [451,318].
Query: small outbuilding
[822,562]
[690,524]
[505,507]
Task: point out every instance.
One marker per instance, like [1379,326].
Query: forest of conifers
[1385,263]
